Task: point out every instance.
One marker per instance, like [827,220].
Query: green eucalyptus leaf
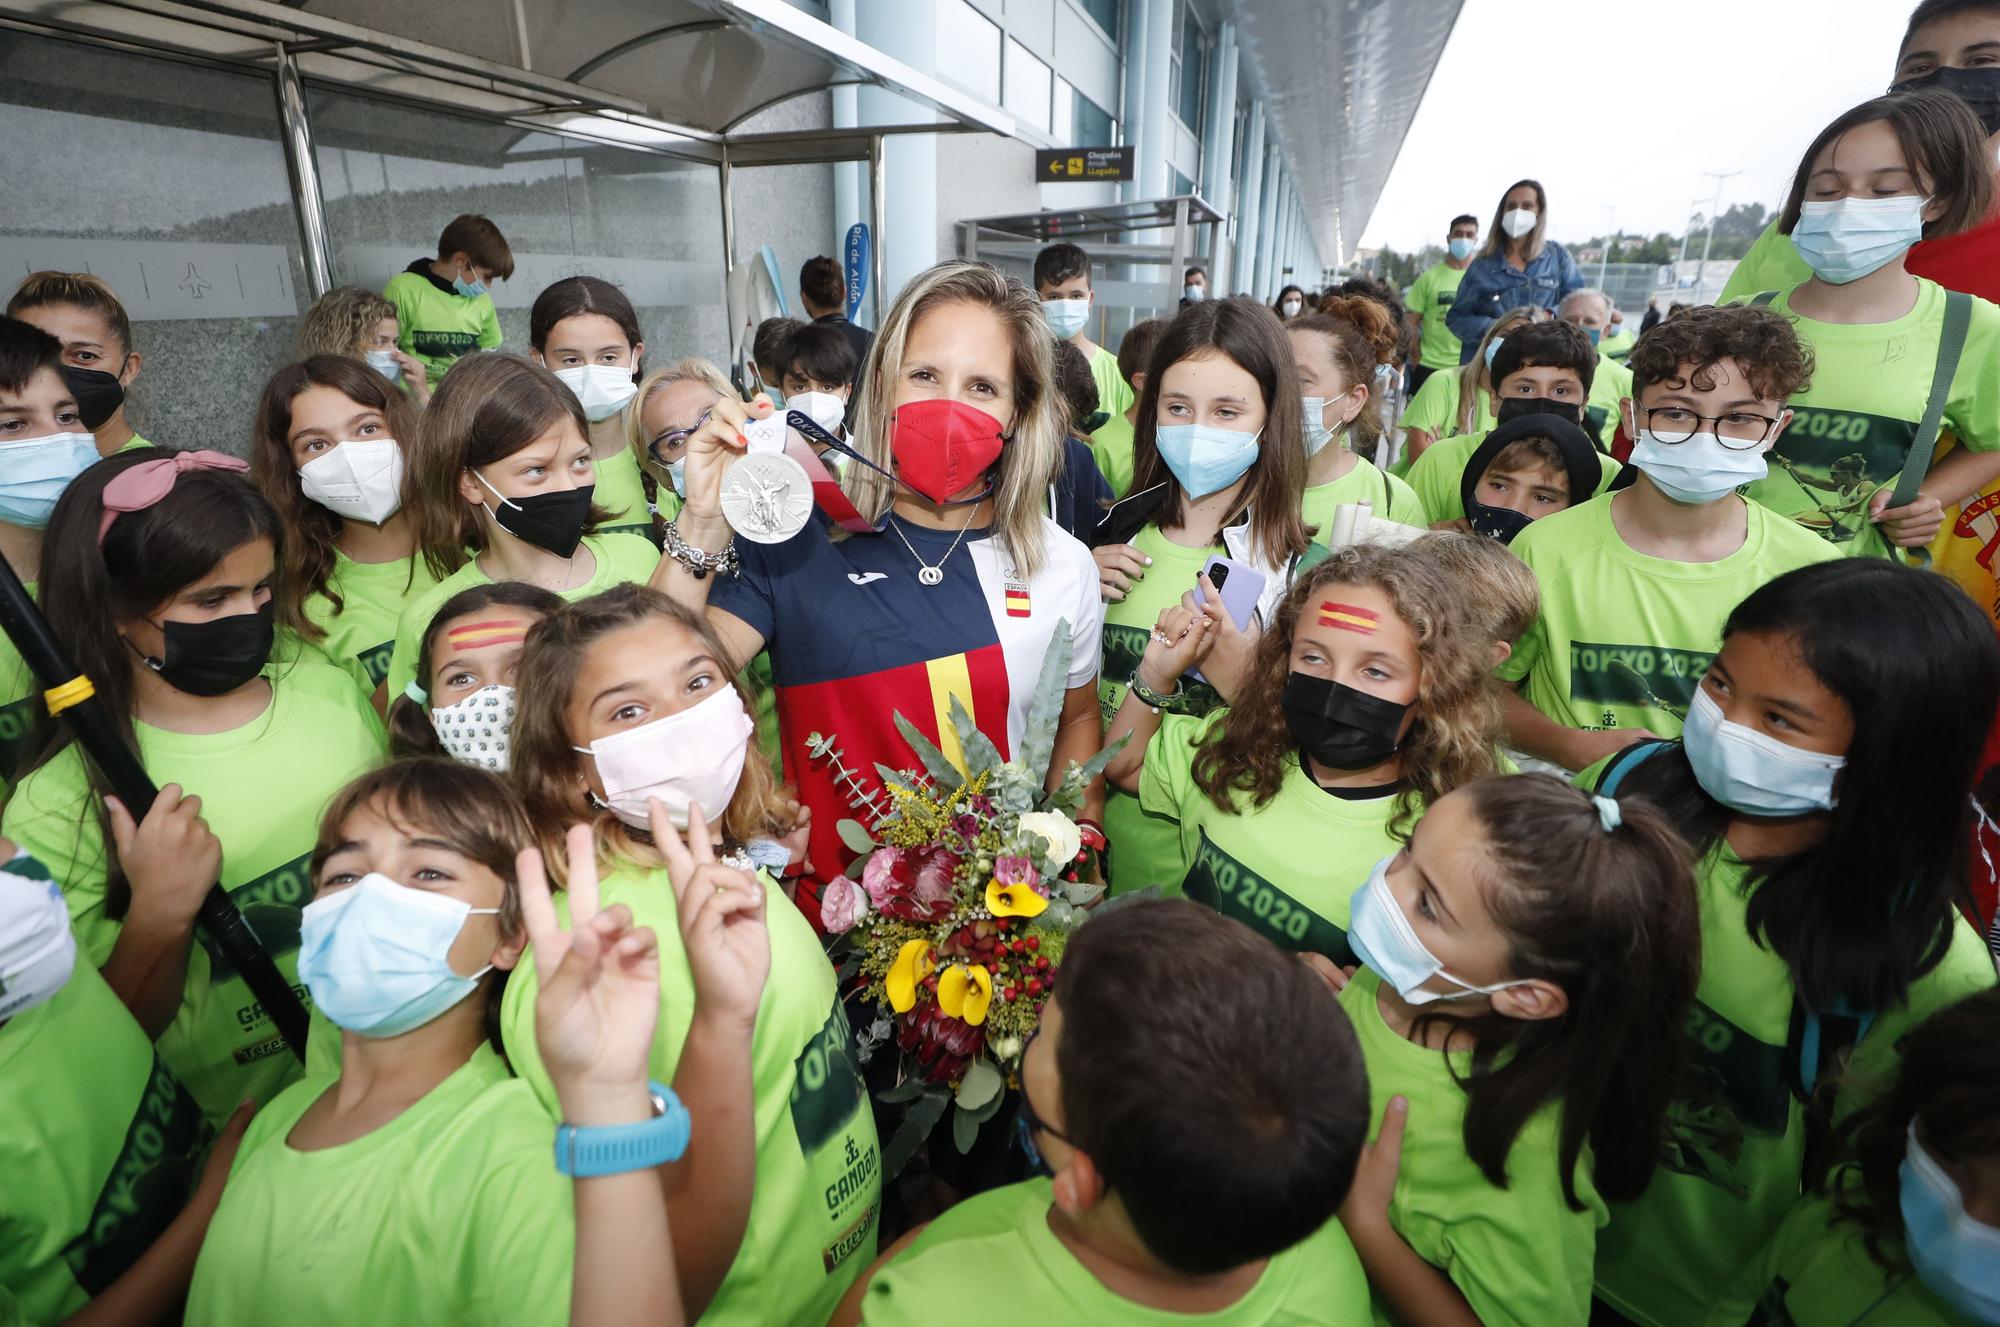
[980,753]
[908,1090]
[918,1122]
[855,835]
[942,771]
[1038,740]
[964,1129]
[982,1082]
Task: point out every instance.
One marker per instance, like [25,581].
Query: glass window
[969,50]
[167,180]
[1091,126]
[1064,124]
[1028,83]
[1193,56]
[393,175]
[1105,12]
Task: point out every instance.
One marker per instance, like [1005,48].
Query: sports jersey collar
[422,267]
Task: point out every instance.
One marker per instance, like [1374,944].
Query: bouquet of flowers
[955,916]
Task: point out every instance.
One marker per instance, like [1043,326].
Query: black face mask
[98,394]
[1501,523]
[1513,407]
[216,657]
[1977,88]
[1339,726]
[553,521]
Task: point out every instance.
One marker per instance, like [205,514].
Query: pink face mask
[693,758]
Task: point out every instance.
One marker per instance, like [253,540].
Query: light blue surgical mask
[677,475]
[468,288]
[1382,937]
[1847,238]
[1956,1255]
[1595,334]
[373,956]
[1204,457]
[1066,316]
[1753,772]
[1317,433]
[1492,349]
[1461,249]
[1699,469]
[33,474]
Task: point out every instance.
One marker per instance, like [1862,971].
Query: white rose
[1063,837]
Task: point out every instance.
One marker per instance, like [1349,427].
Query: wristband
[586,1151]
[698,563]
[1152,699]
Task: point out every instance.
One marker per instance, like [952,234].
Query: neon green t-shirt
[21,707]
[621,492]
[1389,497]
[438,326]
[453,1212]
[1772,264]
[373,594]
[1616,348]
[135,443]
[621,558]
[1816,1272]
[262,788]
[1114,394]
[1434,408]
[1853,427]
[1112,445]
[1430,299]
[1286,869]
[1439,474]
[992,1261]
[1610,383]
[1519,1255]
[815,1210]
[100,1149]
[1146,848]
[1623,638]
[1684,1251]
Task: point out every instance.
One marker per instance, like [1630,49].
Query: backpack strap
[1817,1046]
[1624,763]
[1763,297]
[1951,343]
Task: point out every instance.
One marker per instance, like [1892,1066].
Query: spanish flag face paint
[1347,617]
[484,635]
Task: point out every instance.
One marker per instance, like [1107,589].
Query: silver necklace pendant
[767,497]
[931,575]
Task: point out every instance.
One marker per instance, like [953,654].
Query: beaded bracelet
[698,563]
[1152,699]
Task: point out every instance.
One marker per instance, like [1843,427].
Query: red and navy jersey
[855,638]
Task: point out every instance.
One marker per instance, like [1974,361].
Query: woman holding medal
[930,576]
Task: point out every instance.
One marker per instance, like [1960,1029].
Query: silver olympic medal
[767,497]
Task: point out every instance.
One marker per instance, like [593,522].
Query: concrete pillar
[1267,221]
[1132,110]
[1218,147]
[1249,196]
[907,30]
[850,178]
[1154,178]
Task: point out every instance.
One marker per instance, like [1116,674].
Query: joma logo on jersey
[1604,674]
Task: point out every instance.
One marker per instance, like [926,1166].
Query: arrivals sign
[1064,164]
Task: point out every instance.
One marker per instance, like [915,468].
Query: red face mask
[943,447]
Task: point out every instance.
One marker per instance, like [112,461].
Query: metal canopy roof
[1110,221]
[1341,80]
[682,76]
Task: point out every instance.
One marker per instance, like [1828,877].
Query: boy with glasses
[1636,583]
[1195,1104]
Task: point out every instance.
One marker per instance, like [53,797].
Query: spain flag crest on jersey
[1018,603]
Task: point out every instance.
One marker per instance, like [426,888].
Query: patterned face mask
[475,729]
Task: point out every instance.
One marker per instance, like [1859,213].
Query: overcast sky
[1618,108]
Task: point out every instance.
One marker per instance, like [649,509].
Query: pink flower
[935,868]
[1015,871]
[879,876]
[909,883]
[842,905]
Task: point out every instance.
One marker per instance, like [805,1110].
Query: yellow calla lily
[913,963]
[1014,900]
[966,992]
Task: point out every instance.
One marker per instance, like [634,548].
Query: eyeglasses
[1031,1122]
[1739,430]
[676,437]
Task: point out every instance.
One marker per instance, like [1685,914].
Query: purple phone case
[1239,590]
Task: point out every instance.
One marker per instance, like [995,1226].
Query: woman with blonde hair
[944,584]
[360,324]
[1518,265]
[628,720]
[673,402]
[1369,699]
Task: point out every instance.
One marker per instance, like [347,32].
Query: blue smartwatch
[611,1149]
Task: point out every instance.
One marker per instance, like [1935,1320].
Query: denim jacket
[1491,286]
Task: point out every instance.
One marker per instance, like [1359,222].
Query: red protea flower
[943,1045]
